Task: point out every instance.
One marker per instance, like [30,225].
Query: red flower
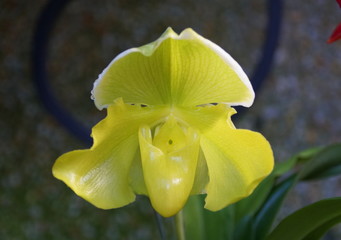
[337,32]
[339,2]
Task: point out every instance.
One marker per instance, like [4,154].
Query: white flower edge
[233,64]
[187,34]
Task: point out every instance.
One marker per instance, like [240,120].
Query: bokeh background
[298,106]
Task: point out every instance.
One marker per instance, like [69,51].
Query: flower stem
[160,225]
[180,228]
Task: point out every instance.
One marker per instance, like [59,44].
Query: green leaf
[243,229]
[219,225]
[310,222]
[285,166]
[248,206]
[245,209]
[204,224]
[321,231]
[325,163]
[265,217]
[193,218]
[304,156]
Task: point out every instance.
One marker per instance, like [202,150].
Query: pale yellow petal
[237,160]
[102,174]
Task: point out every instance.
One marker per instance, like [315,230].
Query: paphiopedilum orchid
[162,136]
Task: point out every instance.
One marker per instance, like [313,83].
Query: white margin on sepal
[189,34]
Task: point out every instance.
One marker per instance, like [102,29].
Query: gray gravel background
[297,108]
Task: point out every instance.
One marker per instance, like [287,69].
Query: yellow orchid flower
[162,137]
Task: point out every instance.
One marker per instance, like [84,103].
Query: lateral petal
[237,160]
[101,175]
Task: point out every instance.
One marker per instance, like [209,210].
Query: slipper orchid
[162,137]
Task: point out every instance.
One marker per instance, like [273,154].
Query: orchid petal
[101,175]
[201,176]
[237,160]
[336,35]
[182,70]
[339,2]
[137,176]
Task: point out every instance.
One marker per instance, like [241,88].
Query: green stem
[180,227]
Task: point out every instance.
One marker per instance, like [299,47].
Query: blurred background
[298,106]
